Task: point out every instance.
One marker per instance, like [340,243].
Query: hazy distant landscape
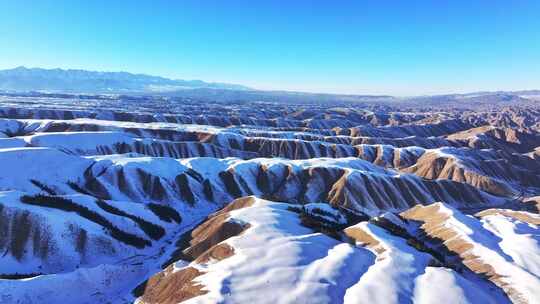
[58,81]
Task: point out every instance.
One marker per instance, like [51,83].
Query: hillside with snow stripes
[153,200]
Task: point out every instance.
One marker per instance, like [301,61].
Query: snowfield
[122,199]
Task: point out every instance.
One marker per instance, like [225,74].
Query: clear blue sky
[394,47]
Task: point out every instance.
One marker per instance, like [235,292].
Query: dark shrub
[43,187]
[21,226]
[18,276]
[165,213]
[78,188]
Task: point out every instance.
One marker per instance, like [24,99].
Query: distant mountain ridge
[37,80]
[83,81]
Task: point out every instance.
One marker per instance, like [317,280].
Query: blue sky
[379,47]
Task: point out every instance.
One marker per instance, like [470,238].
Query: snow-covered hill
[112,200]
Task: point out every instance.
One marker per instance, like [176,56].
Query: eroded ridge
[157,200]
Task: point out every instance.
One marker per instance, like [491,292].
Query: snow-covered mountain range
[107,199]
[82,81]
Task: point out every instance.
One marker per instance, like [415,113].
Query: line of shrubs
[43,187]
[326,213]
[65,204]
[318,222]
[18,276]
[152,230]
[77,188]
[165,213]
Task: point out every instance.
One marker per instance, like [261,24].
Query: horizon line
[283,90]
